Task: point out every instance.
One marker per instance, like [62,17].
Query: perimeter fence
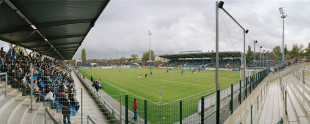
[201,110]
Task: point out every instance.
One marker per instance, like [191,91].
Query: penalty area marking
[127,91]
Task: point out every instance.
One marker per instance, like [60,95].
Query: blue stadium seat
[58,106]
[42,84]
[35,78]
[73,112]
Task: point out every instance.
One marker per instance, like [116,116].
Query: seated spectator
[50,97]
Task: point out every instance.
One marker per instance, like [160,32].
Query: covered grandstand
[36,87]
[53,28]
[205,59]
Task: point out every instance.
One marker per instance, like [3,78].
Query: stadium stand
[229,60]
[53,76]
[47,32]
[286,99]
[48,75]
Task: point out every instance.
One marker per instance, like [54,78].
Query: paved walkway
[115,104]
[89,106]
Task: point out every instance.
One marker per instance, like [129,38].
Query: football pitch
[161,86]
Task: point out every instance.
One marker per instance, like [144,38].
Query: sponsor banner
[223,69]
[235,69]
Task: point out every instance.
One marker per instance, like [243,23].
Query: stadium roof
[55,28]
[201,55]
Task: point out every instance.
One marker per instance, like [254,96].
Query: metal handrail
[91,120]
[280,121]
[106,103]
[47,113]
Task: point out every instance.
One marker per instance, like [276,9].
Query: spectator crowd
[52,80]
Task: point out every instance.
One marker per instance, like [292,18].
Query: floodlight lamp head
[246,31]
[221,4]
[281,10]
[150,33]
[283,15]
[255,41]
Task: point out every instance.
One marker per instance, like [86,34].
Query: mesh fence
[180,111]
[54,85]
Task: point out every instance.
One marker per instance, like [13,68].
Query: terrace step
[12,108]
[300,111]
[7,101]
[28,118]
[20,112]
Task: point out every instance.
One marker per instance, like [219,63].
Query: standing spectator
[135,107]
[84,76]
[91,78]
[100,77]
[66,109]
[74,102]
[97,87]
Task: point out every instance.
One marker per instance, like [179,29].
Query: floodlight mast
[263,59]
[255,41]
[260,57]
[220,5]
[283,15]
[150,48]
[217,114]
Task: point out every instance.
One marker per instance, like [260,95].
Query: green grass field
[173,87]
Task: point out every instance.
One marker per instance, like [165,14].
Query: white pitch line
[183,82]
[186,97]
[126,90]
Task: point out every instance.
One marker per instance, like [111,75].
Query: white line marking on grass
[126,91]
[183,82]
[186,97]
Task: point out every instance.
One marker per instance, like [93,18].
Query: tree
[146,55]
[286,51]
[249,55]
[277,53]
[83,55]
[274,56]
[295,51]
[134,57]
[307,53]
[287,57]
[122,59]
[301,50]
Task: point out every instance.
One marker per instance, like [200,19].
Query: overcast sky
[182,25]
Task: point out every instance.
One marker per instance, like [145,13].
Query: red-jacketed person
[135,107]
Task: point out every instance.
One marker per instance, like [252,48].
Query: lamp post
[260,56]
[263,59]
[255,41]
[283,15]
[150,48]
[219,5]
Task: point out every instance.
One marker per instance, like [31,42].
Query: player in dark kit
[145,75]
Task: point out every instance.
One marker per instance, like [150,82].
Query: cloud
[179,25]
